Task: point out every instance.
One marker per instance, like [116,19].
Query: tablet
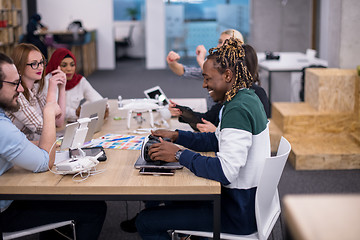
[95,109]
[70,132]
[157,94]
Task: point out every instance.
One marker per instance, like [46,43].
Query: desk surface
[289,61]
[323,217]
[120,177]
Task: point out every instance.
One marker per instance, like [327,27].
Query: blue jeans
[153,223]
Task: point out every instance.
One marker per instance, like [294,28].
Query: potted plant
[132,12]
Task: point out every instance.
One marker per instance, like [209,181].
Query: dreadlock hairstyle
[231,55]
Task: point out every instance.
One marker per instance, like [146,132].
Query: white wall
[94,14]
[350,34]
[155,34]
[283,26]
[339,33]
[330,37]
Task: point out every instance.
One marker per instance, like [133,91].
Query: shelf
[10,24]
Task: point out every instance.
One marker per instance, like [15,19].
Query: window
[125,10]
[190,23]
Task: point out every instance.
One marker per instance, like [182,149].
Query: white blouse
[74,96]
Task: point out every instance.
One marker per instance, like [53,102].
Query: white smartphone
[157,171]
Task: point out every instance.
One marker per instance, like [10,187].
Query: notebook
[95,109]
[157,94]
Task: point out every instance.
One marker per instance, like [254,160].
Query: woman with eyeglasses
[31,64]
[78,89]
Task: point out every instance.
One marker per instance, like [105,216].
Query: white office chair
[25,232]
[267,203]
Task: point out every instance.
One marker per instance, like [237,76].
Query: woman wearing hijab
[77,87]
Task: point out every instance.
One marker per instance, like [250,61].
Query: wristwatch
[178,154]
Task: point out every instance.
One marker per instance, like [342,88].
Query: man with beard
[16,149]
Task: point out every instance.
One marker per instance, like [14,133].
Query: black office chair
[124,43]
[302,90]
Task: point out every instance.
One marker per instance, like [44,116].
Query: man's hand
[172,135]
[206,126]
[175,112]
[163,151]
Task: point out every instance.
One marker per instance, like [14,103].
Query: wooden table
[323,217]
[120,181]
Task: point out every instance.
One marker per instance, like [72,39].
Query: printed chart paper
[119,141]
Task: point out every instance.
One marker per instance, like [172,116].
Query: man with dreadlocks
[241,143]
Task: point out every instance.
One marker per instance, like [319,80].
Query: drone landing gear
[139,117]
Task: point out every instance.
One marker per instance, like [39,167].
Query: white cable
[81,173]
[89,173]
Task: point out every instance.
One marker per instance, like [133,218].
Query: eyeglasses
[16,83]
[35,65]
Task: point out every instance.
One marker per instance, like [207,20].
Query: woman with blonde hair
[31,64]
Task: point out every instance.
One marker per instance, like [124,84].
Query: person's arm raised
[172,60]
[57,82]
[48,136]
[200,55]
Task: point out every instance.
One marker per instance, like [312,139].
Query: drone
[139,106]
